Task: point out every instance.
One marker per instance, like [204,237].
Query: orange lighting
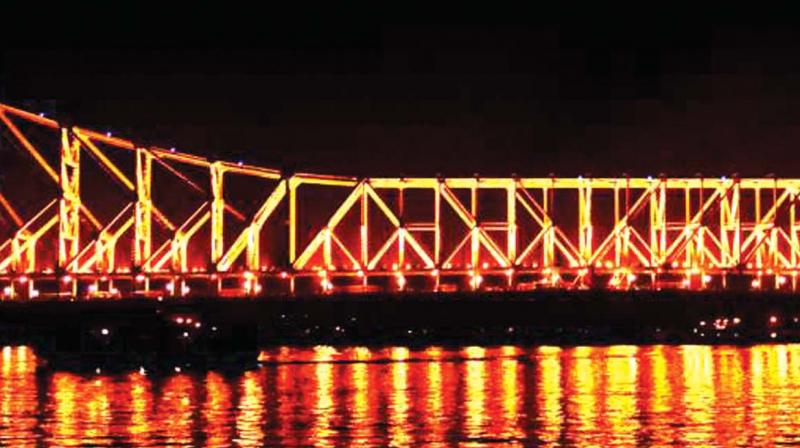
[369,231]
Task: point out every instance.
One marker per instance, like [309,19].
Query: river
[395,396]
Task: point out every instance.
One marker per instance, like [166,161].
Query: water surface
[471,396]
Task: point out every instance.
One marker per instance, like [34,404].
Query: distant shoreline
[232,329]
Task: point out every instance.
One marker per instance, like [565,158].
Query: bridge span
[87,214]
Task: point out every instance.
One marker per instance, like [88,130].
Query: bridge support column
[217,213]
[437,235]
[658,224]
[142,247]
[293,184]
[585,221]
[548,249]
[511,223]
[69,204]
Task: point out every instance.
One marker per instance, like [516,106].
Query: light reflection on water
[548,396]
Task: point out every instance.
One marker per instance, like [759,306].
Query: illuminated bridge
[85,214]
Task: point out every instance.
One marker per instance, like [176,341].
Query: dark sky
[394,94]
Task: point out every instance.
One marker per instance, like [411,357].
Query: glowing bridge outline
[659,232]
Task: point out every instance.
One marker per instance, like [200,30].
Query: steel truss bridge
[84,214]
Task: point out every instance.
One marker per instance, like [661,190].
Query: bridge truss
[292,233]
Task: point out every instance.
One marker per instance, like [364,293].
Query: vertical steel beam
[69,204]
[293,184]
[511,222]
[736,213]
[626,241]
[364,230]
[657,224]
[252,251]
[585,220]
[618,236]
[548,244]
[327,253]
[474,234]
[401,231]
[437,210]
[217,172]
[757,228]
[687,226]
[142,245]
[793,230]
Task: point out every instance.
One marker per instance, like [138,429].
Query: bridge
[87,214]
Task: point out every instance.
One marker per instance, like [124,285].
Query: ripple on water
[361,396]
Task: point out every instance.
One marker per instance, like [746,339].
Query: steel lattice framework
[374,234]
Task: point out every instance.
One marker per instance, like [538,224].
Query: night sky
[395,94]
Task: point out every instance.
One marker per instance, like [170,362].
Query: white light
[104,331]
[172,149]
[177,369]
[108,134]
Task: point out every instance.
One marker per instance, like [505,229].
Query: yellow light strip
[378,255]
[418,249]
